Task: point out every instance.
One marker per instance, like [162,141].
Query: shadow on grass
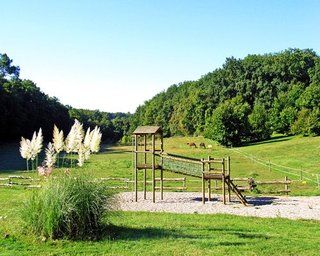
[150,233]
[280,138]
[113,151]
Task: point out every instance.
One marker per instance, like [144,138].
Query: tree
[229,123]
[6,67]
[259,123]
[307,123]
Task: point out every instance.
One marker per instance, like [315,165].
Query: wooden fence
[19,181]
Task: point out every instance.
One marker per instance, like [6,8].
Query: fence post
[269,166]
[300,175]
[286,185]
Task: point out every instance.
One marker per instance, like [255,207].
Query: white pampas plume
[25,148]
[79,135]
[86,144]
[96,140]
[75,137]
[87,138]
[70,142]
[81,155]
[51,156]
[36,144]
[57,139]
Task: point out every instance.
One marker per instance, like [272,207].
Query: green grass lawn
[140,233]
[135,233]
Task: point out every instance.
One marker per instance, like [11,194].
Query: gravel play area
[187,202]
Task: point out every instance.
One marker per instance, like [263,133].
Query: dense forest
[244,100]
[24,108]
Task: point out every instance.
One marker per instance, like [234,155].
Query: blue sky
[114,55]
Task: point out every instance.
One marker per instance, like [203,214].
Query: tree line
[245,100]
[24,108]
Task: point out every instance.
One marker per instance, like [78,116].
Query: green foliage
[126,140]
[113,125]
[70,207]
[283,83]
[229,122]
[24,109]
[310,98]
[259,123]
[307,123]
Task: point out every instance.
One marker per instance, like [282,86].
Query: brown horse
[192,144]
[202,145]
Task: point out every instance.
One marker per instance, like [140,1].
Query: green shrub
[68,207]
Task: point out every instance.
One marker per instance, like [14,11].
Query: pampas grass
[30,149]
[58,141]
[68,207]
[95,140]
[51,156]
[76,142]
[25,150]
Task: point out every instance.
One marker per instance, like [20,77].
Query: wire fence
[293,172]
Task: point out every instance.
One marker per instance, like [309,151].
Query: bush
[126,140]
[68,207]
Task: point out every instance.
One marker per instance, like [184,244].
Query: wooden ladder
[234,188]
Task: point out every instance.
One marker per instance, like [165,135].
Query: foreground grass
[139,233]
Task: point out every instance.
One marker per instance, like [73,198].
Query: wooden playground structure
[149,155]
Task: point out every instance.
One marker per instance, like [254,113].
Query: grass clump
[68,207]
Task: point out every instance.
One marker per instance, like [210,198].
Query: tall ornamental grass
[68,207]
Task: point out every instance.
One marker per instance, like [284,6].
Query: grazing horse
[202,145]
[192,144]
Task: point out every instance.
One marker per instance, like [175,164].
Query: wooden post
[209,190]
[145,170]
[286,185]
[135,167]
[228,170]
[223,184]
[161,170]
[269,166]
[209,181]
[203,184]
[153,170]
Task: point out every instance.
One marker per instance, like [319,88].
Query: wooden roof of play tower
[148,130]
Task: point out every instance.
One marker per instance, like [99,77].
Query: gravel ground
[187,202]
